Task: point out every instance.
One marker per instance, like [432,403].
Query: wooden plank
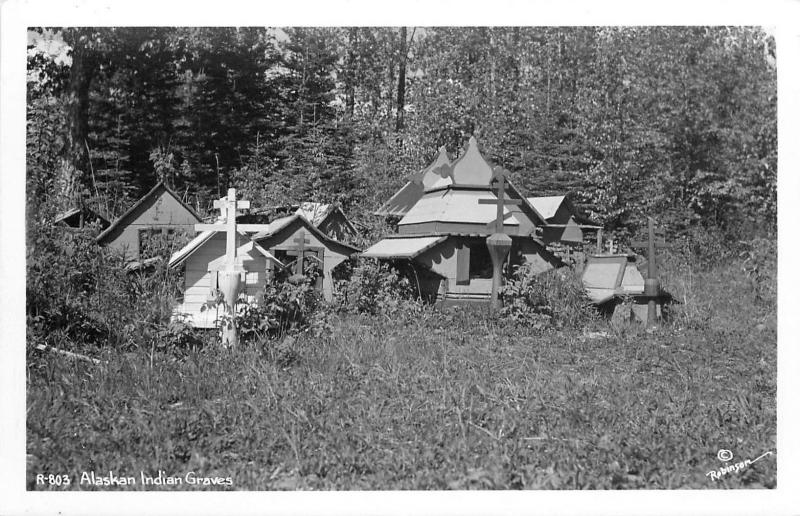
[462,265]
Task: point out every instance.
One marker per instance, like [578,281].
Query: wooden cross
[652,243]
[229,270]
[651,287]
[500,174]
[300,252]
[228,207]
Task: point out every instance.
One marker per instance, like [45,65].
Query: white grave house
[254,252]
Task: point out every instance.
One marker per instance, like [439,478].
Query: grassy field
[432,400]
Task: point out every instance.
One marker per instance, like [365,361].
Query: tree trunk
[350,79]
[401,81]
[74,162]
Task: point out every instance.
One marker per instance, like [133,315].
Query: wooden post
[499,243]
[230,271]
[652,288]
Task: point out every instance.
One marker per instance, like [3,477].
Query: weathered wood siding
[163,211]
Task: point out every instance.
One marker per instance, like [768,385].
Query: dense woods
[675,122]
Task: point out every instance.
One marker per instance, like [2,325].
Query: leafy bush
[375,288]
[288,305]
[556,297]
[79,294]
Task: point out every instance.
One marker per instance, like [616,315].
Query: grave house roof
[275,227]
[197,242]
[425,179]
[126,217]
[68,217]
[407,247]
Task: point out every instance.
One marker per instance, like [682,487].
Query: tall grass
[429,399]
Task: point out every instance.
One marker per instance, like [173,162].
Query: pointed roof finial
[472,168]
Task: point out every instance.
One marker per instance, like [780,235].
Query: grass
[433,400]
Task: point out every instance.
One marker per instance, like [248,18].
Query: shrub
[556,298]
[375,288]
[288,305]
[79,294]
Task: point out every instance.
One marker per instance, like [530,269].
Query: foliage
[673,122]
[375,288]
[287,306]
[449,400]
[79,295]
[555,298]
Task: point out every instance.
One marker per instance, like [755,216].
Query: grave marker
[652,288]
[499,243]
[300,251]
[230,269]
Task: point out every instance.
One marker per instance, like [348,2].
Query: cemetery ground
[420,398]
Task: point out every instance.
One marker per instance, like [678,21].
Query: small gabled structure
[443,235]
[294,238]
[565,223]
[328,218]
[159,212]
[201,258]
[434,175]
[79,218]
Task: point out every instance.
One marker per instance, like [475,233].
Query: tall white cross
[228,207]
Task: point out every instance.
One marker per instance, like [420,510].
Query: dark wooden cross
[300,252]
[652,289]
[500,174]
[499,243]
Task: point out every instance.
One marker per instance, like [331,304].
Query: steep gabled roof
[197,242]
[88,213]
[547,206]
[152,194]
[276,226]
[317,213]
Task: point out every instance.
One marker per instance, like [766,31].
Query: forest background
[678,123]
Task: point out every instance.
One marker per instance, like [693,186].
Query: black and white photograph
[392,260]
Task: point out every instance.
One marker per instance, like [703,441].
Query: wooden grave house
[615,284]
[201,259]
[285,246]
[443,235]
[296,243]
[80,218]
[159,212]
